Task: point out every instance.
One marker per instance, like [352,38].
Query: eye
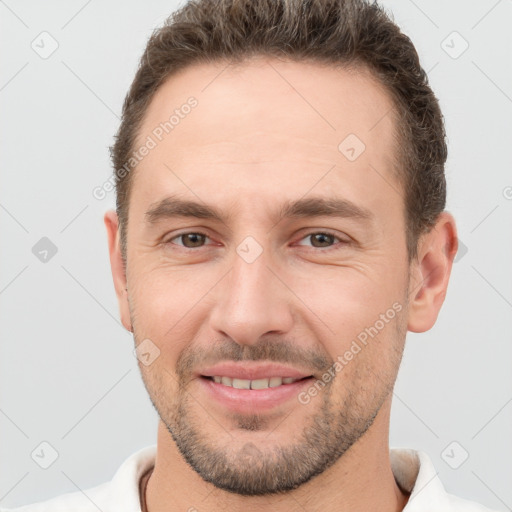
[319,240]
[322,239]
[189,240]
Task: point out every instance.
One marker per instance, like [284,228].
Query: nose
[251,301]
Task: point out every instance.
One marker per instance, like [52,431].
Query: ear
[117,266]
[430,273]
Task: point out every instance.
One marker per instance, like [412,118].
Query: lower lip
[253,400]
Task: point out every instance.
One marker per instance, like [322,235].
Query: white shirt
[412,469]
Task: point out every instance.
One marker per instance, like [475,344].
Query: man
[280,226]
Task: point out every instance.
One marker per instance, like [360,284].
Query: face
[273,284]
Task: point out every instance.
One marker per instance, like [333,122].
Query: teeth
[259,384]
[272,382]
[241,384]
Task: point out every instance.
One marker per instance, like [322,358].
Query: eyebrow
[174,206]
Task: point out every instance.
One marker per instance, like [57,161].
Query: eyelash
[323,249]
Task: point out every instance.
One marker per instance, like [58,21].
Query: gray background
[67,373]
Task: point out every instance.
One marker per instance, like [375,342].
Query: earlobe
[431,272]
[117,266]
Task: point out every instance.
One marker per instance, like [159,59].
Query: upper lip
[252,371]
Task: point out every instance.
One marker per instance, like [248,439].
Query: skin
[265,132]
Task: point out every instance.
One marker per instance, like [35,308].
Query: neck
[360,480]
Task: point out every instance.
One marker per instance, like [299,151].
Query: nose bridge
[251,301]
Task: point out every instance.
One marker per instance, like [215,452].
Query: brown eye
[189,240]
[322,239]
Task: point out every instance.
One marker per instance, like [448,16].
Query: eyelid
[326,232]
[178,235]
[303,236]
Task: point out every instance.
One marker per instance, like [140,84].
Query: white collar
[412,469]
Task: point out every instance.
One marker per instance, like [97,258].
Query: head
[288,208]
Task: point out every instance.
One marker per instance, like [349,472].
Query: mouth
[264,383]
[252,388]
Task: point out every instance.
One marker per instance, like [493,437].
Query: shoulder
[89,500]
[415,473]
[457,504]
[121,493]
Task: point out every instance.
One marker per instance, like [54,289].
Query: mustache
[268,349]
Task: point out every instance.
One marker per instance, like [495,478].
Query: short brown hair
[336,32]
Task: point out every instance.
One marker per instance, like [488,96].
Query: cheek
[164,292]
[168,304]
[355,316]
[345,299]
[365,367]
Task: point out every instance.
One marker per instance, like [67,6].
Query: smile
[265,383]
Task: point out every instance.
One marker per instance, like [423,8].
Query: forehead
[319,103]
[267,123]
